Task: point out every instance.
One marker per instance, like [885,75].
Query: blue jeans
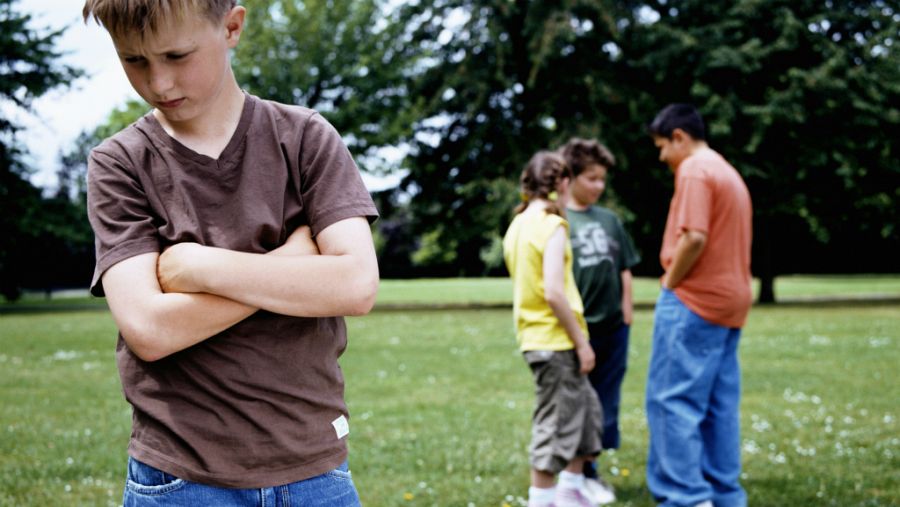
[147,486]
[693,398]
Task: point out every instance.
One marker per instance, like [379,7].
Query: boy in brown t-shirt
[229,313]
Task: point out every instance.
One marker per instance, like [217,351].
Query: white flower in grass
[751,447]
[878,341]
[760,425]
[819,340]
[65,355]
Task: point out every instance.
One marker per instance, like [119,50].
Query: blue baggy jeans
[147,486]
[693,398]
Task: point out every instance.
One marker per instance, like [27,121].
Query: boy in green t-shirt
[603,256]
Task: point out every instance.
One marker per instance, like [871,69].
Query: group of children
[232,233]
[571,261]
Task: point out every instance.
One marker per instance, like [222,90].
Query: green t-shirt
[602,250]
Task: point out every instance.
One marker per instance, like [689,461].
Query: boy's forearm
[627,298]
[177,321]
[295,280]
[307,286]
[155,324]
[687,250]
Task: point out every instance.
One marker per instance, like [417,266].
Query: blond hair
[122,17]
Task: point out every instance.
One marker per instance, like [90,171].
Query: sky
[61,115]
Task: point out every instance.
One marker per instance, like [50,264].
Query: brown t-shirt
[261,403]
[711,197]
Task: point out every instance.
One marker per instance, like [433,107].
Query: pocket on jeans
[147,480]
[342,472]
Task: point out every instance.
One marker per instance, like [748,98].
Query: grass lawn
[499,290]
[441,403]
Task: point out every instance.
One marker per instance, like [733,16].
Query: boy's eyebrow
[127,53]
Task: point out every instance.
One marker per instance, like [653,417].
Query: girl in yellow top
[551,332]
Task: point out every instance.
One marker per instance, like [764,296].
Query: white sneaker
[598,492]
[571,497]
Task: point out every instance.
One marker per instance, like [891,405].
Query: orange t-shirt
[711,197]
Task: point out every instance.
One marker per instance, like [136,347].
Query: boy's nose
[160,81]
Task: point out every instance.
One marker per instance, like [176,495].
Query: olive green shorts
[568,420]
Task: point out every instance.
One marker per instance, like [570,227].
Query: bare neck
[209,132]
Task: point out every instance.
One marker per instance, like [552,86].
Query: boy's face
[588,186]
[182,67]
[673,151]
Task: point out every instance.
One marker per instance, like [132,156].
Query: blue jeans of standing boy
[693,398]
[147,486]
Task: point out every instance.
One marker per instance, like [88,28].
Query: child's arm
[554,292]
[155,324]
[343,280]
[627,299]
[687,250]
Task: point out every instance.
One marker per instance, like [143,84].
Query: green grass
[441,404]
[499,290]
[461,291]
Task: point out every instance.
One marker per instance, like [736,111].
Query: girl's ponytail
[540,178]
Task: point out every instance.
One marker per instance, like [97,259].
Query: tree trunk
[766,289]
[762,263]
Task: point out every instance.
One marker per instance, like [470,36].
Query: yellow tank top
[537,328]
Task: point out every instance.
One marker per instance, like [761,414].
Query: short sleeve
[330,184]
[692,207]
[119,213]
[546,227]
[629,254]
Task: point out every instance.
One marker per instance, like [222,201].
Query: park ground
[440,401]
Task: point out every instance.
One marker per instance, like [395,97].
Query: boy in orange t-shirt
[693,385]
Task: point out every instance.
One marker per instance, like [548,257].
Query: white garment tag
[341,426]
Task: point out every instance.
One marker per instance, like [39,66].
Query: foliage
[344,58]
[440,406]
[499,81]
[800,96]
[29,67]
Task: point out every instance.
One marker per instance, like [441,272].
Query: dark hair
[583,153]
[540,177]
[678,116]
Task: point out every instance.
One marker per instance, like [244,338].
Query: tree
[344,58]
[499,80]
[802,97]
[29,67]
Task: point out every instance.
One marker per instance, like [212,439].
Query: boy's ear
[680,136]
[234,25]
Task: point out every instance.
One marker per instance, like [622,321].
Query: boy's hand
[173,269]
[586,357]
[300,242]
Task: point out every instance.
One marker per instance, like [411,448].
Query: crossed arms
[164,303]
